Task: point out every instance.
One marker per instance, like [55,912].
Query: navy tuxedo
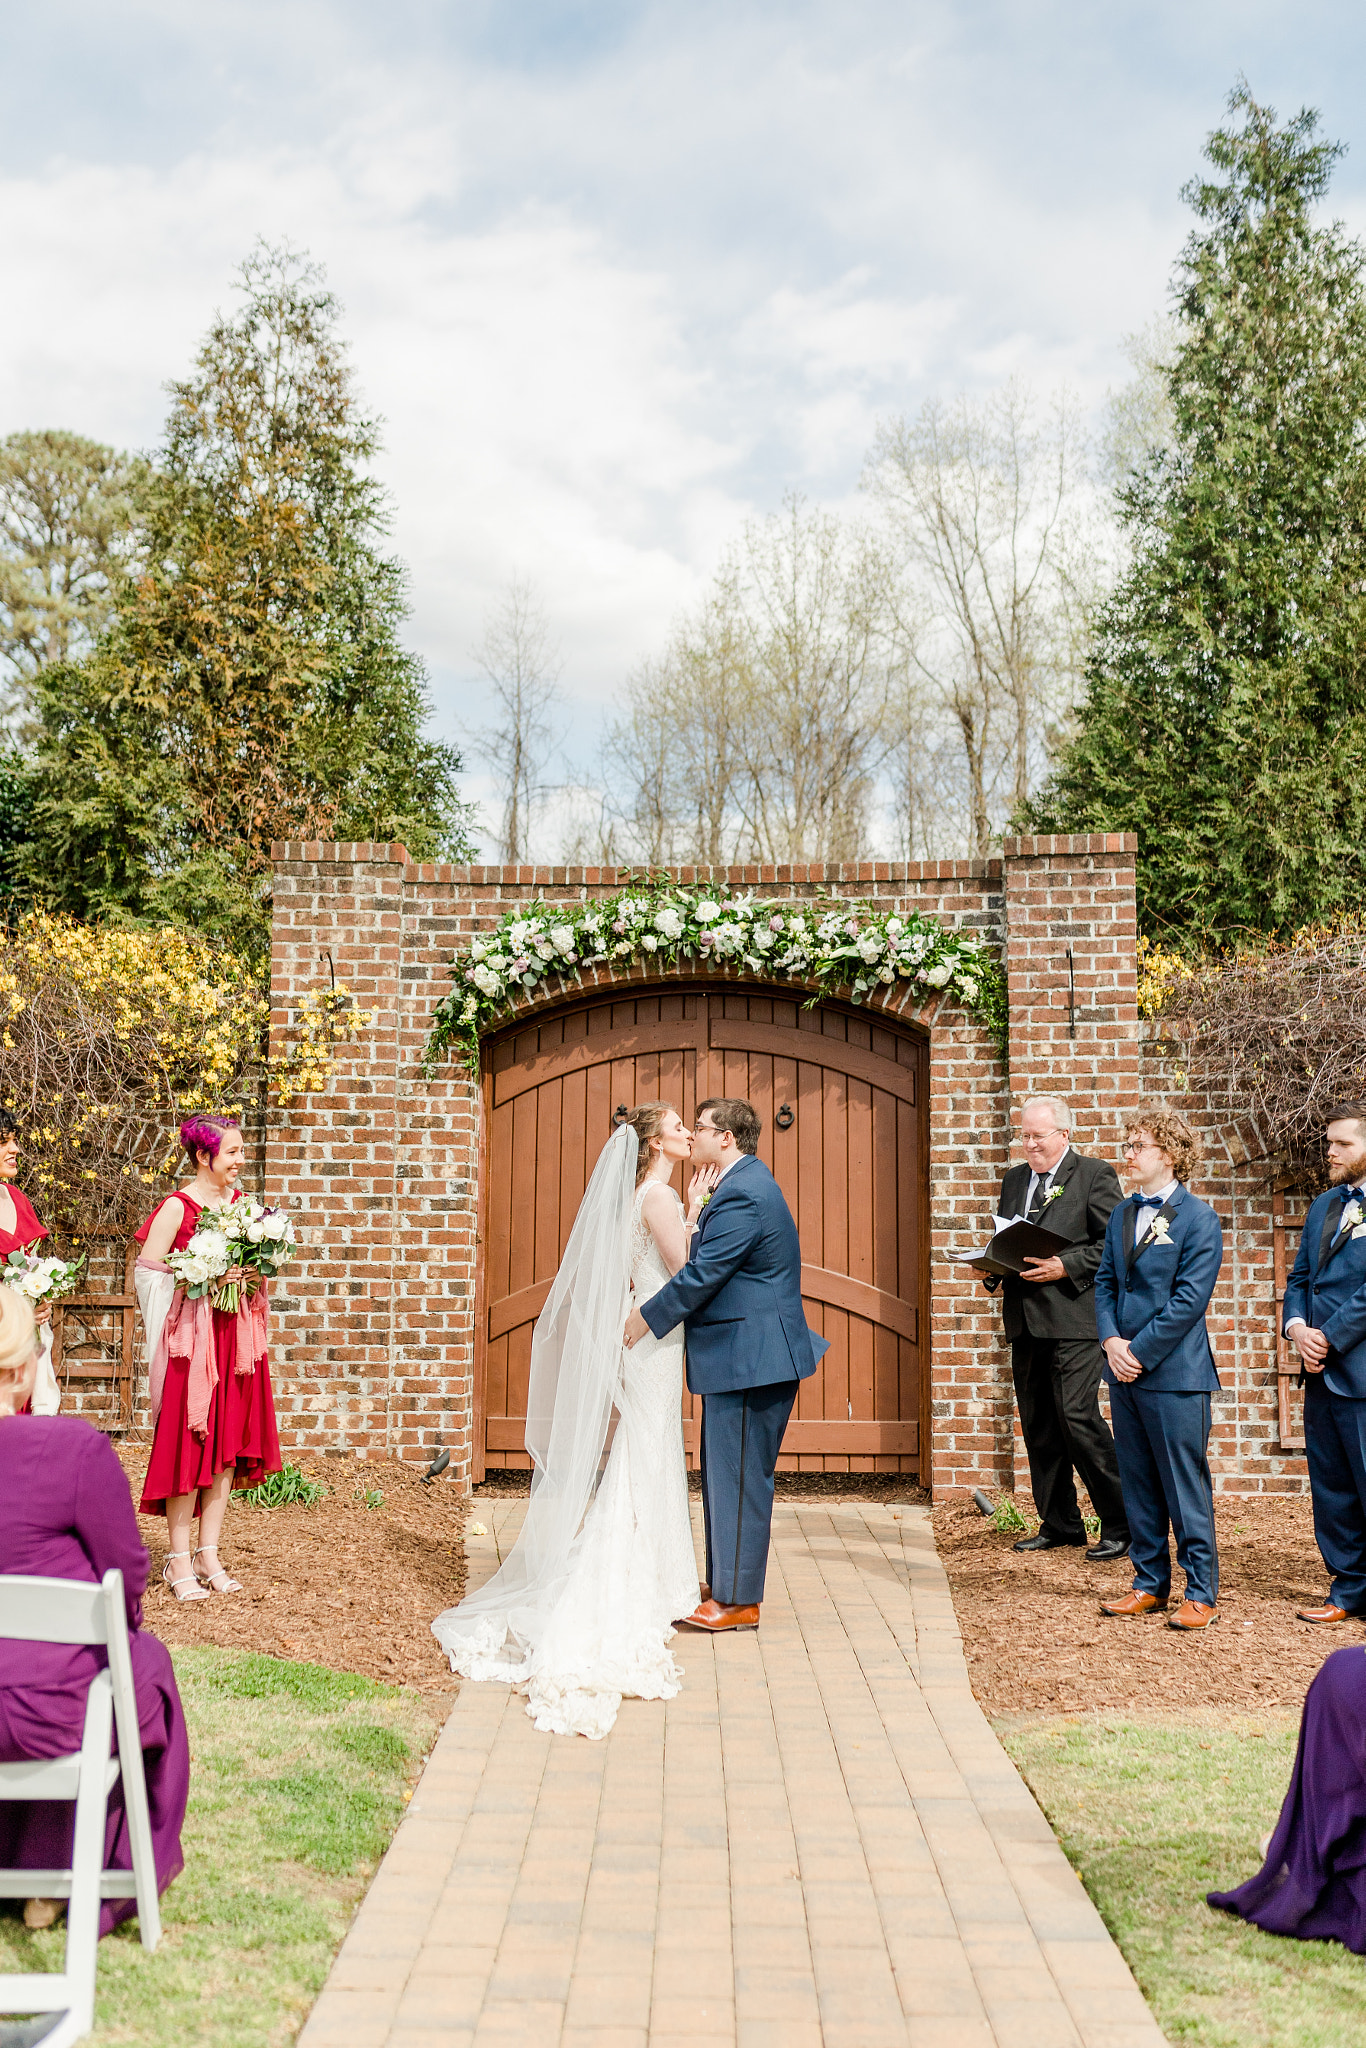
[739,1299]
[1154,1292]
[1327,1290]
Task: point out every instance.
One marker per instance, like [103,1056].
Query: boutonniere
[1160,1228]
[1351,1216]
[1053,1194]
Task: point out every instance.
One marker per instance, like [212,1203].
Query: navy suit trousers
[1162,1441]
[742,1434]
[1335,1446]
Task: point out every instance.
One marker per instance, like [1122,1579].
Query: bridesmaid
[66,1513]
[19,1226]
[190,1473]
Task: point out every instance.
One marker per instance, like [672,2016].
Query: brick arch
[374,1345]
[851,1155]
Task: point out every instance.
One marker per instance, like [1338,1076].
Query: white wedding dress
[585,1615]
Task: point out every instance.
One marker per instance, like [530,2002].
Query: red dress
[27,1230]
[241,1432]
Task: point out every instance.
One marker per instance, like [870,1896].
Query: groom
[739,1299]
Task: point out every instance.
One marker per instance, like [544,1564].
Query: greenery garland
[835,943]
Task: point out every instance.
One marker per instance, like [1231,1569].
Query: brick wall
[374,1341]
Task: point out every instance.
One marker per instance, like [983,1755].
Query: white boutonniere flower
[1160,1229]
[1351,1216]
[1053,1193]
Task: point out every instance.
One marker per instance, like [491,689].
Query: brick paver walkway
[819,1844]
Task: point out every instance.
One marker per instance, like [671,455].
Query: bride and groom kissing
[583,1609]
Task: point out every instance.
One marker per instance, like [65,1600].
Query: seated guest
[1313,1882]
[66,1513]
[1325,1320]
[1163,1251]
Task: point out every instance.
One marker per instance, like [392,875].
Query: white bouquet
[41,1278]
[248,1234]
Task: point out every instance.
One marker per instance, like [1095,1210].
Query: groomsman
[1325,1320]
[1050,1318]
[1163,1251]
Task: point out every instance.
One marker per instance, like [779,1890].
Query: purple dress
[1313,1883]
[66,1513]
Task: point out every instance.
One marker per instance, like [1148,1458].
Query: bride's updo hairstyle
[205,1134]
[647,1121]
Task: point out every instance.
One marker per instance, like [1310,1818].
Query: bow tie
[1148,1201]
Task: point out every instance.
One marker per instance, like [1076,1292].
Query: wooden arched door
[842,1098]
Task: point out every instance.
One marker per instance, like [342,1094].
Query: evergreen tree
[1225,719]
[252,684]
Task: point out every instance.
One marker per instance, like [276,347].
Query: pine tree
[1225,719]
[252,684]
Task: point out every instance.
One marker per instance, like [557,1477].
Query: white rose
[275,1224]
[35,1284]
[544,949]
[937,976]
[487,983]
[194,1270]
[255,1232]
[478,949]
[886,972]
[869,947]
[649,942]
[707,912]
[670,923]
[967,987]
[562,939]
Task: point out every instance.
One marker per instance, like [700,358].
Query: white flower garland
[834,943]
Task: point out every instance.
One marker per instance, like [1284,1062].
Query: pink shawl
[189,1335]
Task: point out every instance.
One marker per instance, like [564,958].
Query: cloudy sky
[618,275]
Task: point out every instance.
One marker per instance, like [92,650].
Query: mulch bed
[340,1584]
[1036,1641]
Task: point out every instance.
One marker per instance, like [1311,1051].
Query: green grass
[1155,1814]
[297,1784]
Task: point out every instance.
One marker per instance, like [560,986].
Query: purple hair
[206,1134]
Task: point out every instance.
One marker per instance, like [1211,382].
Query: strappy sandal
[210,1579]
[190,1579]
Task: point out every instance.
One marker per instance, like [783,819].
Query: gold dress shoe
[1133,1604]
[1193,1614]
[1328,1612]
[714,1619]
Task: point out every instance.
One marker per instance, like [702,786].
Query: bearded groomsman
[1325,1320]
[1050,1318]
[1163,1251]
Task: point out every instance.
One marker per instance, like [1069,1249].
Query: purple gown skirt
[1313,1883]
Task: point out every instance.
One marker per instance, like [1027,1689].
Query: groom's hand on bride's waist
[636,1328]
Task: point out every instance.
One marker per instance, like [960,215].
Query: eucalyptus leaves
[834,943]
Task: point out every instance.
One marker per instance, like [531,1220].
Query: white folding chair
[67,1611]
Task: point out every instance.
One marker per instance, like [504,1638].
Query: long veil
[575,1382]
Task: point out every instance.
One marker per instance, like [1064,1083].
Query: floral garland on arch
[835,943]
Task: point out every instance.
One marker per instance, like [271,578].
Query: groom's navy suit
[1327,1290]
[739,1299]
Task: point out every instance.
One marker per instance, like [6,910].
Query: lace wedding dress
[578,1630]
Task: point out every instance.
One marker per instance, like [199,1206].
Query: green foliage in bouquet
[833,946]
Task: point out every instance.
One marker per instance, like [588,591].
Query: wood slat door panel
[852,1165]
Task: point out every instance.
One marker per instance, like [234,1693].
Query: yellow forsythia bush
[109,1036]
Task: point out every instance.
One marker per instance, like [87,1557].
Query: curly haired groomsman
[1325,1320]
[1163,1251]
[1050,1319]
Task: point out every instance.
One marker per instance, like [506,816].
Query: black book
[1010,1247]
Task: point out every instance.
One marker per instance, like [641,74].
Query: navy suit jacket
[1156,1295]
[739,1297]
[1327,1290]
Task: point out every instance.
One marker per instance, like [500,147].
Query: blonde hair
[647,1121]
[18,1331]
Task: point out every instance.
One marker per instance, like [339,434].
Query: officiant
[1049,1313]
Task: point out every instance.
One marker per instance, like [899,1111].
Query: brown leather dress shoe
[1193,1614]
[1133,1604]
[1320,1614]
[714,1619]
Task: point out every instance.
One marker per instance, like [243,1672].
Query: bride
[581,1611]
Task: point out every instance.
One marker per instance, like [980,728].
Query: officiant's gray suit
[739,1299]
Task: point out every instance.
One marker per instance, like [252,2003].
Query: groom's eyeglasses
[702,1127]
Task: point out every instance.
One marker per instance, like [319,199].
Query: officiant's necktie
[1035,1210]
